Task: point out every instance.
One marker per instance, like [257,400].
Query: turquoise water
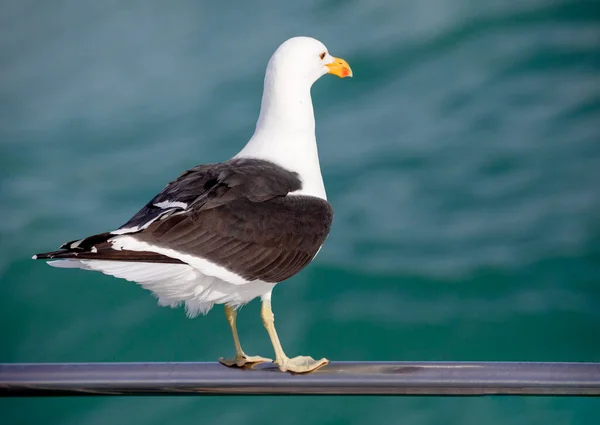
[462,162]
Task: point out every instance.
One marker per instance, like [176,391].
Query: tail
[99,247]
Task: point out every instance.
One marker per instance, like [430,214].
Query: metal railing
[394,378]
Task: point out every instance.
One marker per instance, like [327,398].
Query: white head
[291,72]
[305,60]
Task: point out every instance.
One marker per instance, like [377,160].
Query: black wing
[235,214]
[211,185]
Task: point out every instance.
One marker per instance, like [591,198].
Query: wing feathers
[233,215]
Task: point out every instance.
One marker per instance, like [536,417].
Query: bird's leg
[300,364]
[240,359]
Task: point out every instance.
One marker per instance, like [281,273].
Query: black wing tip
[50,255]
[108,254]
[74,248]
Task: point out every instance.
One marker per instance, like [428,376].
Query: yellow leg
[300,364]
[240,359]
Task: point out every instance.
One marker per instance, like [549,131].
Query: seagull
[229,232]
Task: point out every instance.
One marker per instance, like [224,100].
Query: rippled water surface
[462,162]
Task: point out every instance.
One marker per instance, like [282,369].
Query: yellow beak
[340,68]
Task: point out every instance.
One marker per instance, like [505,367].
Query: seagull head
[305,59]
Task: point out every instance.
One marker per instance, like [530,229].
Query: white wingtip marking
[171,204]
[75,244]
[135,228]
[34,257]
[127,230]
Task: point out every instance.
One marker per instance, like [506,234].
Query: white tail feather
[174,284]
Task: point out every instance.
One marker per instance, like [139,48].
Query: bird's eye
[322,55]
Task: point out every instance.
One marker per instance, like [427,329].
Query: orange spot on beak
[340,68]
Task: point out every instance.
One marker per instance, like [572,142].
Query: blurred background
[463,163]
